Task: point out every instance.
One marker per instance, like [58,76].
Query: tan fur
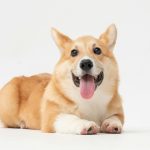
[35,102]
[20,101]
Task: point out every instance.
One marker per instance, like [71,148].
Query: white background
[26,46]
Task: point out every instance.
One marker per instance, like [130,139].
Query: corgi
[80,97]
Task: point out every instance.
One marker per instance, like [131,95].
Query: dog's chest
[94,109]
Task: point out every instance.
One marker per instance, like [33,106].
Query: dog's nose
[86,64]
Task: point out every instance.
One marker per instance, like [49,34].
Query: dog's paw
[111,125]
[87,127]
[71,124]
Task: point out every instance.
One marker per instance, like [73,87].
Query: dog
[80,97]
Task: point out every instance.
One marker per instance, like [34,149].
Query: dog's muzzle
[97,80]
[88,84]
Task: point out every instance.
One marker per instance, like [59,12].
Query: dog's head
[85,62]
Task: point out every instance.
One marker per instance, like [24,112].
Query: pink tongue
[87,86]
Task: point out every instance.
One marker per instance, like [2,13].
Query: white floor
[130,139]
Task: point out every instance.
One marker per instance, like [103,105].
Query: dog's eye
[97,50]
[74,52]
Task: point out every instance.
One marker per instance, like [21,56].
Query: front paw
[87,127]
[111,125]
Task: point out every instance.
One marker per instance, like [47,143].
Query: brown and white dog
[81,97]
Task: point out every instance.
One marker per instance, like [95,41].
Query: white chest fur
[94,109]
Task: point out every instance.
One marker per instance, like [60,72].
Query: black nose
[86,64]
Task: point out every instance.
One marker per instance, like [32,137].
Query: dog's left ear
[109,37]
[61,40]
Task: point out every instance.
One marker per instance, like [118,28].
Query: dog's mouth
[88,83]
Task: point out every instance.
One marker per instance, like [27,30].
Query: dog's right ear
[62,41]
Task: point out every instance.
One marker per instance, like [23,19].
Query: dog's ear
[61,40]
[109,37]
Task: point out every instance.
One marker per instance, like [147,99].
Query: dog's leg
[53,120]
[68,123]
[114,121]
[111,125]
